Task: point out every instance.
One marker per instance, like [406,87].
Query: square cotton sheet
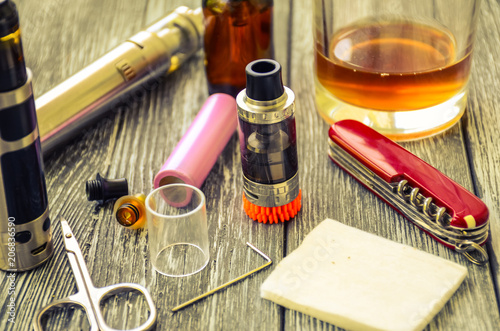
[358,281]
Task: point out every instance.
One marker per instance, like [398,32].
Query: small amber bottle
[237,32]
[130,211]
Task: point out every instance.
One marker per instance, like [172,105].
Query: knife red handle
[393,163]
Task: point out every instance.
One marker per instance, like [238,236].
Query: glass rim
[195,210]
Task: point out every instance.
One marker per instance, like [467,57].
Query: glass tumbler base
[396,125]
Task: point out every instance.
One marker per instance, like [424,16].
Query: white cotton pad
[358,281]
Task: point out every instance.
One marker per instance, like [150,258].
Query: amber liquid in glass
[392,66]
[236,33]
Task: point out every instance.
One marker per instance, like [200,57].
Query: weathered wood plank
[229,228]
[483,124]
[134,142]
[329,192]
[59,39]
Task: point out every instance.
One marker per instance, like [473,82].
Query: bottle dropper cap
[264,81]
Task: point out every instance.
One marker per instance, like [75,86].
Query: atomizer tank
[268,144]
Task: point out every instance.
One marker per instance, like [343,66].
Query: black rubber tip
[103,189]
[9,19]
[264,81]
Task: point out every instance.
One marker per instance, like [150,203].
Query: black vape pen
[25,235]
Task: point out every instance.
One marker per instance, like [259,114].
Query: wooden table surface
[61,37]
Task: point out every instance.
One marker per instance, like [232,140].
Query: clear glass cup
[399,66]
[177,230]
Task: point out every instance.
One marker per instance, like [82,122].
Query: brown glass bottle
[237,32]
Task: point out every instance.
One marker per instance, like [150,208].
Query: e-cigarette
[119,77]
[268,144]
[25,235]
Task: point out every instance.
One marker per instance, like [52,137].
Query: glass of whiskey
[399,66]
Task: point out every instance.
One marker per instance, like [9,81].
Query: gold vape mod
[119,76]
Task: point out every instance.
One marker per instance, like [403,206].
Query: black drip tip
[9,19]
[264,81]
[103,189]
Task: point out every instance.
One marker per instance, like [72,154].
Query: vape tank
[25,236]
[268,145]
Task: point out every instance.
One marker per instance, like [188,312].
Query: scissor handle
[63,303]
[108,291]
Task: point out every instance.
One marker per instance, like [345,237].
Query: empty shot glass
[177,230]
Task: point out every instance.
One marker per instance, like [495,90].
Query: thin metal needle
[268,263]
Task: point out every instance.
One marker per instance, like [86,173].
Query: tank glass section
[269,151]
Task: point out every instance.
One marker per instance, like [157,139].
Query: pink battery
[198,150]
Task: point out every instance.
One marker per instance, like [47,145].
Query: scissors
[89,297]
